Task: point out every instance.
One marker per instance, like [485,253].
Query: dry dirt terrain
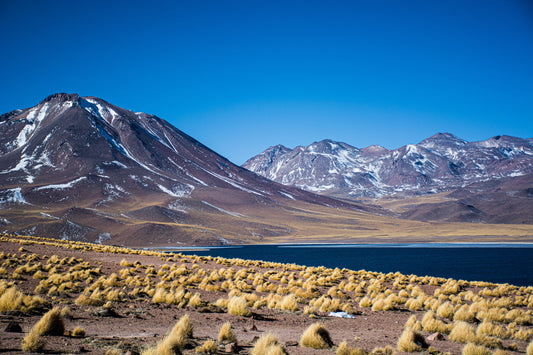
[117,300]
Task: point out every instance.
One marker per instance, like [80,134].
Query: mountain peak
[62,97]
[441,139]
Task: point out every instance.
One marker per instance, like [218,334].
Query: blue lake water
[499,263]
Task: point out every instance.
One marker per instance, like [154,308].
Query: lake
[499,263]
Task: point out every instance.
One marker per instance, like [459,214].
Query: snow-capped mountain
[80,167]
[440,163]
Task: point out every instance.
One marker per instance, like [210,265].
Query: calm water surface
[501,263]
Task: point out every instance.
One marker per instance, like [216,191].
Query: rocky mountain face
[82,168]
[443,163]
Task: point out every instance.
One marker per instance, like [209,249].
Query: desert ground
[71,297]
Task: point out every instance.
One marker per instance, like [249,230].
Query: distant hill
[486,181]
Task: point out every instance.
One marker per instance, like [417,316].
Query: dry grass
[529,349]
[208,347]
[344,349]
[268,344]
[463,332]
[316,336]
[238,306]
[78,332]
[33,342]
[51,323]
[226,334]
[11,300]
[473,349]
[411,341]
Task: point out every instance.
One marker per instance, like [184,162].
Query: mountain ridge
[440,164]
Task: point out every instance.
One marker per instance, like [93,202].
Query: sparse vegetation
[480,315]
[316,336]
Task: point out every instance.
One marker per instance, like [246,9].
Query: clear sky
[241,76]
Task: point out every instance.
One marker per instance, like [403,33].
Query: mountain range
[81,168]
[486,181]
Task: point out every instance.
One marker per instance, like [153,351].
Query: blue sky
[241,76]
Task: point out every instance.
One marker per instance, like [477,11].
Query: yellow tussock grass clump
[413,323]
[183,326]
[344,349]
[175,340]
[239,307]
[78,332]
[11,299]
[208,347]
[529,350]
[472,349]
[316,336]
[446,310]
[488,328]
[226,334]
[465,314]
[33,342]
[411,341]
[463,332]
[289,303]
[432,325]
[50,324]
[114,351]
[365,302]
[268,344]
[387,350]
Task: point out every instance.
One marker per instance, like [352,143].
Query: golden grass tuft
[413,323]
[316,336]
[411,341]
[175,340]
[387,350]
[78,332]
[51,323]
[529,349]
[289,303]
[208,347]
[268,344]
[431,324]
[238,306]
[462,332]
[344,349]
[183,326]
[33,342]
[11,299]
[473,349]
[226,334]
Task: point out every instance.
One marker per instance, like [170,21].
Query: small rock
[435,336]
[13,327]
[256,338]
[231,348]
[291,343]
[253,327]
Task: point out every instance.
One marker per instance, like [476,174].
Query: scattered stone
[13,327]
[253,327]
[435,336]
[291,343]
[231,348]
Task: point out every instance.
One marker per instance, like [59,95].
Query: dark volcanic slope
[490,178]
[80,167]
